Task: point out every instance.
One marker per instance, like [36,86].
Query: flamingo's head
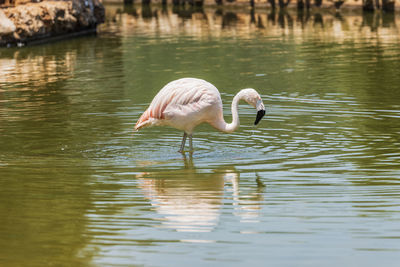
[254,99]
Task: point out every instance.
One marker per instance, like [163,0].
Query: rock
[6,25]
[48,19]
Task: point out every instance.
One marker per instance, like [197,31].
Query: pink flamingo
[185,103]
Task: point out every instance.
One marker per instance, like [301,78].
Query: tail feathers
[145,120]
[143,124]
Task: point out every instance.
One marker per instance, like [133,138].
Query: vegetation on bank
[365,5]
[24,21]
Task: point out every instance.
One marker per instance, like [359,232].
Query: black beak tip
[260,115]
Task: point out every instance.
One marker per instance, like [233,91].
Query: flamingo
[188,102]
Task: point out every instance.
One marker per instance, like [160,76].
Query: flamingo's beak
[260,114]
[260,111]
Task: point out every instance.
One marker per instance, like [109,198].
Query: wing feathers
[180,97]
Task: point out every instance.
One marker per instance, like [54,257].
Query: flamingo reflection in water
[190,201]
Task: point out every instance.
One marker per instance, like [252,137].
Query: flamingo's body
[188,102]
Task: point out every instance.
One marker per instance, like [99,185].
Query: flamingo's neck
[231,127]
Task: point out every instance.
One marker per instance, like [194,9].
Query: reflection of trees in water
[45,196]
[46,101]
[377,20]
[190,200]
[318,20]
[229,19]
[36,77]
[147,12]
[24,66]
[200,21]
[367,5]
[186,12]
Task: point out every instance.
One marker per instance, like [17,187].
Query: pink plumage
[185,99]
[188,102]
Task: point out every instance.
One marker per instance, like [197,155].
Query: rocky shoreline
[36,22]
[25,22]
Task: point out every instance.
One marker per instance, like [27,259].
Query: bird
[188,102]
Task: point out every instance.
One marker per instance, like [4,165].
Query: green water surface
[316,183]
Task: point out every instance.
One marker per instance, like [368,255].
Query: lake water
[316,183]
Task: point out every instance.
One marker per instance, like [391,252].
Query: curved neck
[231,127]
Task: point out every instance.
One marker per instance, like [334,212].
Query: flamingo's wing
[183,97]
[188,104]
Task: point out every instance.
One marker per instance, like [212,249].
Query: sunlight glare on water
[316,183]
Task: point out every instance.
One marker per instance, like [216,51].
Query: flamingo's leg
[190,143]
[183,143]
